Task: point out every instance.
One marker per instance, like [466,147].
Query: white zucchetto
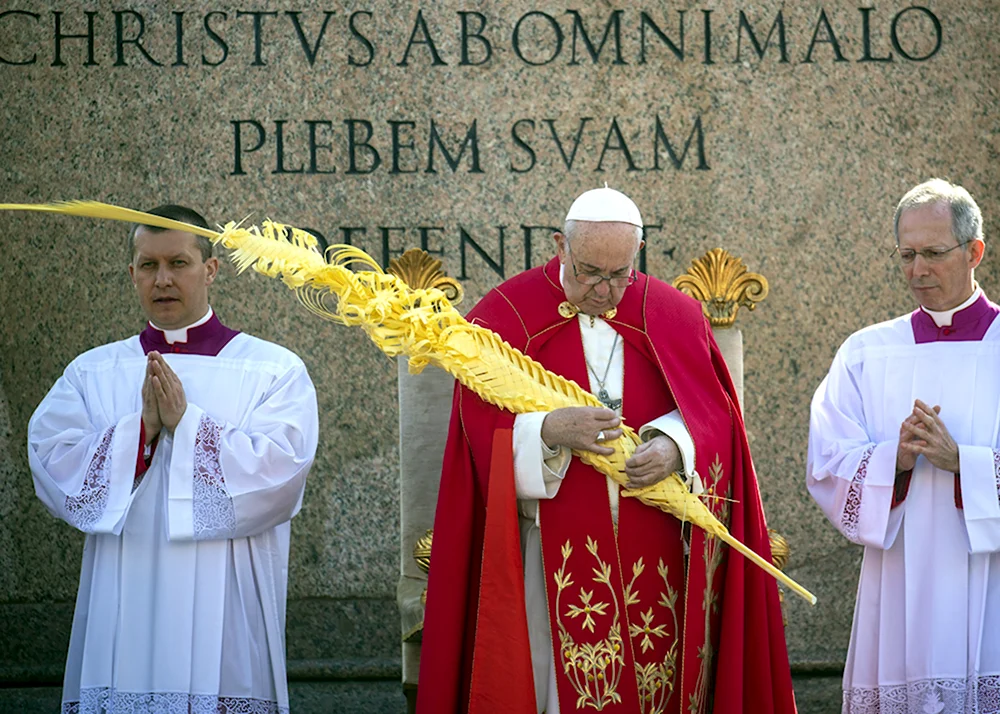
[604,205]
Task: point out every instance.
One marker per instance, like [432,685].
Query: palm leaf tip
[96,209]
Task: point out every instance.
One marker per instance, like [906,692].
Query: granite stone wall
[784,132]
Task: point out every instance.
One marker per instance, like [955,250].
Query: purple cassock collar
[206,339]
[967,325]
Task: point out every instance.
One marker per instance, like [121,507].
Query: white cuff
[180,476]
[548,452]
[877,525]
[538,470]
[672,426]
[122,476]
[980,497]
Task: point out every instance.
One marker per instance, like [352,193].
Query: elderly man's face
[945,282]
[597,248]
[171,277]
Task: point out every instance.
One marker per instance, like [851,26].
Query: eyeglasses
[931,255]
[615,281]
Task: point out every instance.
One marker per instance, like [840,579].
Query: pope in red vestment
[645,615]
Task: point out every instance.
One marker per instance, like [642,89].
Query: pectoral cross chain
[606,400]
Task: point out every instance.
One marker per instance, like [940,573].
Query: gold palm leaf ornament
[722,284]
[423,325]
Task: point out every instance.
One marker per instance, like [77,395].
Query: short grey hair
[570,226]
[966,218]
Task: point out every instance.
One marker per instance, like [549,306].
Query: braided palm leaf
[423,325]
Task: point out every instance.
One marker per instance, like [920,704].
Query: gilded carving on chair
[780,553]
[723,284]
[422,557]
[423,421]
[421,272]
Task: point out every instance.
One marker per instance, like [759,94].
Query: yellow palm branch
[423,325]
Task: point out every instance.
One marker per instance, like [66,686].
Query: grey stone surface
[803,162]
[347,698]
[326,639]
[818,695]
[31,700]
[330,629]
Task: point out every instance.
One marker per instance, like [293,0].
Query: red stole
[614,595]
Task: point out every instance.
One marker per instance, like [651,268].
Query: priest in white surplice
[182,453]
[904,458]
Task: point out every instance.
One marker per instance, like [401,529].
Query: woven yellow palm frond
[423,325]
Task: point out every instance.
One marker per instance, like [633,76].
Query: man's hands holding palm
[587,428]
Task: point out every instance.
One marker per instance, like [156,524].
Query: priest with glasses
[606,603]
[904,459]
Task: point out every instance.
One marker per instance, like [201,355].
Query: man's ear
[131,274]
[560,238]
[977,249]
[212,266]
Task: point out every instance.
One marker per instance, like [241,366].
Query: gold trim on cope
[712,553]
[723,284]
[420,271]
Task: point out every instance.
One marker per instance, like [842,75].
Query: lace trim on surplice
[104,700]
[852,508]
[214,515]
[976,694]
[87,508]
[996,469]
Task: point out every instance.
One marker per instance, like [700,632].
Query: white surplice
[538,473]
[926,633]
[181,607]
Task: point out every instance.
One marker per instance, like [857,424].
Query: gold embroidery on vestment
[712,555]
[655,679]
[593,669]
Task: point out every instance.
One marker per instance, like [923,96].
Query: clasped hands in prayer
[163,400]
[923,433]
[585,428]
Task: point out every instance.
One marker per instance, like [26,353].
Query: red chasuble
[637,626]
